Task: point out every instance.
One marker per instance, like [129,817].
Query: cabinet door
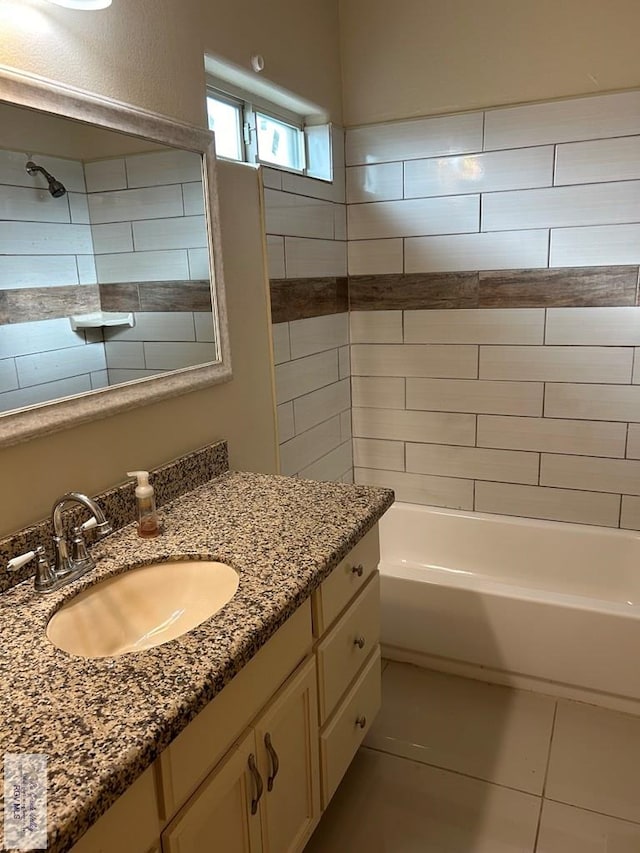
[218,818]
[287,736]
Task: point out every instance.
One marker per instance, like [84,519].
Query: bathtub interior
[467,549]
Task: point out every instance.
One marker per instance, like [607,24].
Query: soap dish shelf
[97,319]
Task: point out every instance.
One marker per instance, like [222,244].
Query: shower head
[56,188]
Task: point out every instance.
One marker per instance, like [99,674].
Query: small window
[253,134]
[225,120]
[279,143]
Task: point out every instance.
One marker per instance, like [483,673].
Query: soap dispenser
[148,522]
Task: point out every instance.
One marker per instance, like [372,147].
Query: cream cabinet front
[219,815]
[264,797]
[287,743]
[346,612]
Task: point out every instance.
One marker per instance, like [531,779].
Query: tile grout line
[621,496]
[593,811]
[445,769]
[546,775]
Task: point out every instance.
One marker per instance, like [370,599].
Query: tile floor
[453,765]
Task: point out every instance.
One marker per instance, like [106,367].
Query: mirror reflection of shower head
[56,188]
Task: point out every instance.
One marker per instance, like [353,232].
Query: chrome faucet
[69,567]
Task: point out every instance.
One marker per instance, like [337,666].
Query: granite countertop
[103,722]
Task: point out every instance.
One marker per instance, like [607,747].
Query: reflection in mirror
[104,259]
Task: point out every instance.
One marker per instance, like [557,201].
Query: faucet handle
[103,529]
[21,560]
[45,579]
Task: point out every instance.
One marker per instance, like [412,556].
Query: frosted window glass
[225,120]
[279,143]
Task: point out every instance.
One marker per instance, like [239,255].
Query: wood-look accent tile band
[175,296]
[416,290]
[47,303]
[119,297]
[576,287]
[301,298]
[156,296]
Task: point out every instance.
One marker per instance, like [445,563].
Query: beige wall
[146,53]
[150,52]
[423,57]
[298,40]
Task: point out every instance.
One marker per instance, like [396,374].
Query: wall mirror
[111,285]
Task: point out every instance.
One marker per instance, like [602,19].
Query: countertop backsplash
[169,481]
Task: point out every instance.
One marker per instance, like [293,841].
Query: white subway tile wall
[147,217]
[556,184]
[14,173]
[525,411]
[45,238]
[494,251]
[305,221]
[170,265]
[314,411]
[174,355]
[383,256]
[475,326]
[158,340]
[318,334]
[45,359]
[306,258]
[549,430]
[306,230]
[34,394]
[414,217]
[554,393]
[591,246]
[275,256]
[21,271]
[58,364]
[411,140]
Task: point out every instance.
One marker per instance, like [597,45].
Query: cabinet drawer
[346,731]
[345,581]
[344,650]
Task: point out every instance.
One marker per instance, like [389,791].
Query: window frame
[239,106]
[248,110]
[252,115]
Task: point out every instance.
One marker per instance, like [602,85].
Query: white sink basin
[144,607]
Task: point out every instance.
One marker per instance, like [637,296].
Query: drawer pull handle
[359,642]
[358,570]
[258,780]
[275,763]
[361,721]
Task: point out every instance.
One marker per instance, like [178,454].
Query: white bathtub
[537,604]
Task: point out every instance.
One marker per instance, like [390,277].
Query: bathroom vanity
[234,736]
[254,770]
